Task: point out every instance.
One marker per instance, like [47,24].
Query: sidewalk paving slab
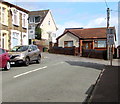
[107,87]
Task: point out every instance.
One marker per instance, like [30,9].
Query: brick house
[84,38]
[14,25]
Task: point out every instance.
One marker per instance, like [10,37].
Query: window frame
[33,20]
[67,43]
[3,14]
[97,44]
[15,17]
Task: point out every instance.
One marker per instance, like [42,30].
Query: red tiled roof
[86,33]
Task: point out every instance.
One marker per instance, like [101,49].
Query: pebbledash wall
[13,25]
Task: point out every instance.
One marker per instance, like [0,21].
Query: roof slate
[41,13]
[12,5]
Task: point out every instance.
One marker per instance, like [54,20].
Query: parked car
[25,54]
[4,59]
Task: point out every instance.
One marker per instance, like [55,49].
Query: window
[68,43]
[30,27]
[31,20]
[31,48]
[15,39]
[34,48]
[15,17]
[31,31]
[48,22]
[19,48]
[37,19]
[100,44]
[24,20]
[3,15]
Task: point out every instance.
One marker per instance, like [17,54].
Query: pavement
[107,86]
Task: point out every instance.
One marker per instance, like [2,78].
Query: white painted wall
[68,37]
[46,27]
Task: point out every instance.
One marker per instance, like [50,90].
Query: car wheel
[7,67]
[38,60]
[27,61]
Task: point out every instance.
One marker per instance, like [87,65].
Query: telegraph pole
[108,19]
[109,46]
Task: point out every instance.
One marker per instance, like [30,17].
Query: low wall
[100,54]
[60,50]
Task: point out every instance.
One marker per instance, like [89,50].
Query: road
[58,78]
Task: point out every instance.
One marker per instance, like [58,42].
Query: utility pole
[108,19]
[109,46]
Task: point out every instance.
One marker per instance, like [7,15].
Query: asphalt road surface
[58,78]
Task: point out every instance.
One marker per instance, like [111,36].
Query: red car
[4,59]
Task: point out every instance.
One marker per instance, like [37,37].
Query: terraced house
[13,25]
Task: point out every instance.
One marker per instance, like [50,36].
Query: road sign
[110,39]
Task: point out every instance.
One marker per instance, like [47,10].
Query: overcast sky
[75,14]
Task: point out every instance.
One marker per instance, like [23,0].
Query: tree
[38,32]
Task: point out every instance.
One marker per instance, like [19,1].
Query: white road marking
[29,72]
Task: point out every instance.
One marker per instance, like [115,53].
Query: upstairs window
[37,19]
[31,20]
[24,20]
[15,17]
[34,19]
[3,15]
[48,22]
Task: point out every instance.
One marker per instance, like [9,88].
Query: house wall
[6,14]
[4,33]
[9,27]
[19,29]
[68,37]
[46,27]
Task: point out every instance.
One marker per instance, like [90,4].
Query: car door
[35,52]
[30,53]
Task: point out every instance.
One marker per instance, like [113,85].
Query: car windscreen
[19,48]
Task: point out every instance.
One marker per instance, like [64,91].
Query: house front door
[87,45]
